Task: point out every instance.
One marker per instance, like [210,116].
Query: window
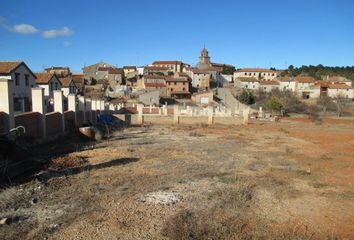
[51,87]
[171,89]
[245,74]
[264,88]
[56,86]
[175,83]
[184,83]
[246,86]
[184,89]
[17,79]
[26,80]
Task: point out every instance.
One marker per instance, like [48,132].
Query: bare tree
[341,103]
[324,102]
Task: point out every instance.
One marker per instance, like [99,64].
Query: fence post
[139,108]
[59,106]
[38,106]
[94,110]
[7,102]
[82,108]
[72,106]
[210,115]
[88,109]
[175,114]
[246,112]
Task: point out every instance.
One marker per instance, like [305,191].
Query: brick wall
[69,117]
[32,123]
[53,123]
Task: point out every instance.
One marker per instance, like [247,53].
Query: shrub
[274,103]
[246,97]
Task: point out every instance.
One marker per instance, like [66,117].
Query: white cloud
[65,31]
[67,43]
[25,29]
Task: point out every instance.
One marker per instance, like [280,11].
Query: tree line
[319,72]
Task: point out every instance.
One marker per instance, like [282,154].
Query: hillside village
[174,151]
[160,83]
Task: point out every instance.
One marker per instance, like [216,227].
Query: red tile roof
[339,86]
[43,78]
[304,79]
[65,82]
[268,83]
[8,67]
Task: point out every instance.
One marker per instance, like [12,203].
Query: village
[157,151]
[207,89]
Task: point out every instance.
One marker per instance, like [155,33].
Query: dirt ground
[292,179]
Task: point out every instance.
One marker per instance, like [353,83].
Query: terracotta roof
[8,67]
[173,79]
[78,80]
[268,83]
[284,79]
[304,79]
[166,62]
[339,86]
[43,78]
[255,70]
[65,82]
[247,79]
[155,85]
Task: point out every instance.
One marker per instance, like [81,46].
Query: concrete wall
[163,120]
[69,117]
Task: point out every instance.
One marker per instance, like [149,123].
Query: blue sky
[251,33]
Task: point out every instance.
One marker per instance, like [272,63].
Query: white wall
[290,85]
[348,93]
[264,75]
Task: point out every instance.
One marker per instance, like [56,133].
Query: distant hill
[320,71]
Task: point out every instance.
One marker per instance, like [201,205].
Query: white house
[259,73]
[68,86]
[286,84]
[200,78]
[22,80]
[340,89]
[49,82]
[304,86]
[268,85]
[248,83]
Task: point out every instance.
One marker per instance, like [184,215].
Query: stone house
[49,82]
[286,83]
[304,86]
[177,87]
[268,85]
[68,86]
[200,78]
[129,70]
[91,72]
[155,70]
[172,66]
[247,83]
[22,80]
[206,97]
[341,90]
[59,71]
[152,83]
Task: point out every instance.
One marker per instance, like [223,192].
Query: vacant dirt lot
[288,180]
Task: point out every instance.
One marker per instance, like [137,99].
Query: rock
[34,200]
[5,221]
[162,197]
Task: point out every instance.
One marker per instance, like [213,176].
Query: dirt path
[283,180]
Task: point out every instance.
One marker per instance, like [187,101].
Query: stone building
[59,71]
